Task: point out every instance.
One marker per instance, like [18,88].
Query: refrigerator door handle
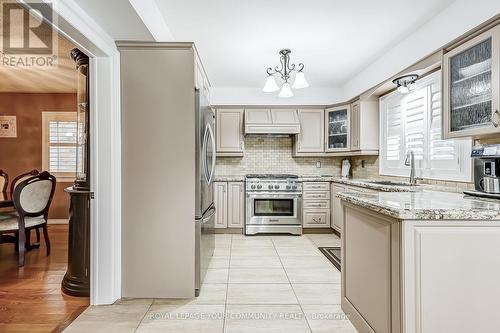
[212,137]
[210,212]
[204,155]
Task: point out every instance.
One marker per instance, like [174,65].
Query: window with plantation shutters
[59,131]
[413,122]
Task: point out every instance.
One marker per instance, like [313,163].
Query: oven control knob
[253,187]
[294,187]
[276,187]
[270,187]
[259,186]
[288,187]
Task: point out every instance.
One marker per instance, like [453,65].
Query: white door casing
[105,145]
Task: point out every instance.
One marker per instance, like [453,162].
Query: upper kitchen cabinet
[337,128]
[364,132]
[471,87]
[230,139]
[311,138]
[346,130]
[355,130]
[201,78]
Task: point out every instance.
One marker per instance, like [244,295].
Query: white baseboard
[57,221]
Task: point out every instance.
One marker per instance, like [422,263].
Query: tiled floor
[254,284]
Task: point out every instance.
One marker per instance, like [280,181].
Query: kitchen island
[420,262]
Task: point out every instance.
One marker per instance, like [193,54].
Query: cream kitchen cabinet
[316,205]
[220,198]
[364,129]
[471,87]
[201,79]
[235,204]
[229,204]
[337,129]
[312,131]
[337,214]
[355,122]
[229,132]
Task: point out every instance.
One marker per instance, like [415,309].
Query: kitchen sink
[390,183]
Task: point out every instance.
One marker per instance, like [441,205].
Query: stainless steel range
[273,204]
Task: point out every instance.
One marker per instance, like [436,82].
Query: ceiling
[117,17]
[335,39]
[61,78]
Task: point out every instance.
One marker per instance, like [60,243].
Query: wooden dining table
[6,203]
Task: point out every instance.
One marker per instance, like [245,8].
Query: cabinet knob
[495,118]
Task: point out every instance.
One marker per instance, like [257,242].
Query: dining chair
[13,185]
[32,198]
[4,182]
[20,178]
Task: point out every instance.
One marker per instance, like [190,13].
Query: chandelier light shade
[286,90]
[271,85]
[284,72]
[405,83]
[300,81]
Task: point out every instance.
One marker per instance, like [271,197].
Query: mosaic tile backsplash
[269,154]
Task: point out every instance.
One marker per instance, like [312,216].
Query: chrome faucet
[410,161]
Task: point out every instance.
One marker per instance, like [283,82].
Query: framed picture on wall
[8,128]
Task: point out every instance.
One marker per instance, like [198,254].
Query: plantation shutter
[59,131]
[393,136]
[62,151]
[414,124]
[416,117]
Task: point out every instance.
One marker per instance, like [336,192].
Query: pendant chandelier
[285,71]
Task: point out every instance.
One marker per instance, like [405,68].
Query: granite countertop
[426,205]
[230,178]
[365,183]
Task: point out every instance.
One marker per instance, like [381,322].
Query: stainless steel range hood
[272,122]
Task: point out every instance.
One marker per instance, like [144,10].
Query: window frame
[47,117]
[462,147]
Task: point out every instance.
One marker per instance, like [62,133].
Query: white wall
[460,17]
[255,96]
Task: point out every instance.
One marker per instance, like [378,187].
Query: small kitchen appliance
[486,171]
[273,204]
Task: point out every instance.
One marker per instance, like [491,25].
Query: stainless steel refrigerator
[205,173]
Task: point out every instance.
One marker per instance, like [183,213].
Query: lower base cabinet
[418,276]
[337,211]
[337,214]
[229,204]
[220,200]
[316,205]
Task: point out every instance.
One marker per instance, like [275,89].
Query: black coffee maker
[486,171]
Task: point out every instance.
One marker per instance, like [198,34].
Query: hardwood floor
[31,299]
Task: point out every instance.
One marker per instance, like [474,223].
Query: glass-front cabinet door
[471,87]
[337,123]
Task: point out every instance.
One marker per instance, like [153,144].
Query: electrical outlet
[318,164]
